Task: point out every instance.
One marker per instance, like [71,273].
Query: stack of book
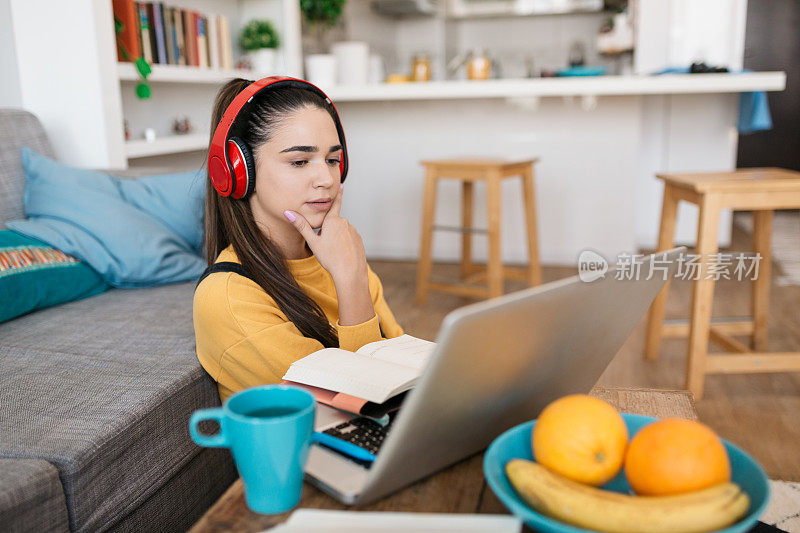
[172,36]
[369,382]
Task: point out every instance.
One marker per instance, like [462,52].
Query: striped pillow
[34,275]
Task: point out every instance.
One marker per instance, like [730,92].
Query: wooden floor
[760,413]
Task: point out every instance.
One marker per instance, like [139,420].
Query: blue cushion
[177,200]
[34,276]
[135,233]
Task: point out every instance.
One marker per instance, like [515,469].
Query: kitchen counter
[600,142]
[563,86]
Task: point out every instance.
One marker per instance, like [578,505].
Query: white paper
[325,521]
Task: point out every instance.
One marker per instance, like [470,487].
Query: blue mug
[268,429]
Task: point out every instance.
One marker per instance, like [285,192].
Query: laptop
[497,363]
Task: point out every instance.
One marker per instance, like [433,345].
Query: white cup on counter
[321,70]
[352,58]
[377,69]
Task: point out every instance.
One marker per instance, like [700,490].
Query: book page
[404,350]
[343,371]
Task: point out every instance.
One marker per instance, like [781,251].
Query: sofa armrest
[31,496]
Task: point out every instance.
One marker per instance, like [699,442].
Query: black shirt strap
[224,266]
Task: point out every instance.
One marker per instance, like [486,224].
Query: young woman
[297,291]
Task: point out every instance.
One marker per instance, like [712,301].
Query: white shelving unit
[182,74]
[183,90]
[172,144]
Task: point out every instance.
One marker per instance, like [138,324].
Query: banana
[603,510]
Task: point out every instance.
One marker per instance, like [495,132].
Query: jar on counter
[479,65]
[421,68]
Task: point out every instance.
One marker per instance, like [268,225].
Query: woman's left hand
[338,246]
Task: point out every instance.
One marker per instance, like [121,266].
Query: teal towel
[754,112]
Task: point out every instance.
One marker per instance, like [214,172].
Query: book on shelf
[226,51]
[202,45]
[158,30]
[151,30]
[127,14]
[375,372]
[189,26]
[177,16]
[213,41]
[167,35]
[208,41]
[144,32]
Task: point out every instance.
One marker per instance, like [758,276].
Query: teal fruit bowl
[516,444]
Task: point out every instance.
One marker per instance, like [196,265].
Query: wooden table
[458,489]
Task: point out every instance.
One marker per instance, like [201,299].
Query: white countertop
[566,86]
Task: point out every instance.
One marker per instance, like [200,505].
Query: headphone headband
[229,163]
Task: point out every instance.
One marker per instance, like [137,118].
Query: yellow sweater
[243,338]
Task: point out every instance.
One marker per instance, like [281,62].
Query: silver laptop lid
[499,362]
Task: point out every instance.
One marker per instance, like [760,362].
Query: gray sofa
[95,398]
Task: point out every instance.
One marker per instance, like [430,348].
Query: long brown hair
[231,222]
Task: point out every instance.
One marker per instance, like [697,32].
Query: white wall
[708,31]
[423,35]
[509,40]
[546,39]
[62,80]
[381,33]
[10,92]
[676,33]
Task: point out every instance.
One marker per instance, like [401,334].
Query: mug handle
[212,441]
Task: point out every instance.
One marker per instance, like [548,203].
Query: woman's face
[297,166]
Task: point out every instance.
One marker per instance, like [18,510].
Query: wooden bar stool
[492,171]
[761,190]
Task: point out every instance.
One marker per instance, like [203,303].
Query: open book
[375,372]
[351,404]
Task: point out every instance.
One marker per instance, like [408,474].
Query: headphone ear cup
[247,171]
[251,170]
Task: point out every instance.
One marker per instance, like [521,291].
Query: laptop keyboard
[363,432]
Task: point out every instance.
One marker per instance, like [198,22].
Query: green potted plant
[325,12]
[319,17]
[260,39]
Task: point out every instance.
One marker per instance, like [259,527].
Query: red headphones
[231,166]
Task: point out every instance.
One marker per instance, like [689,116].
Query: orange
[672,456]
[582,438]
